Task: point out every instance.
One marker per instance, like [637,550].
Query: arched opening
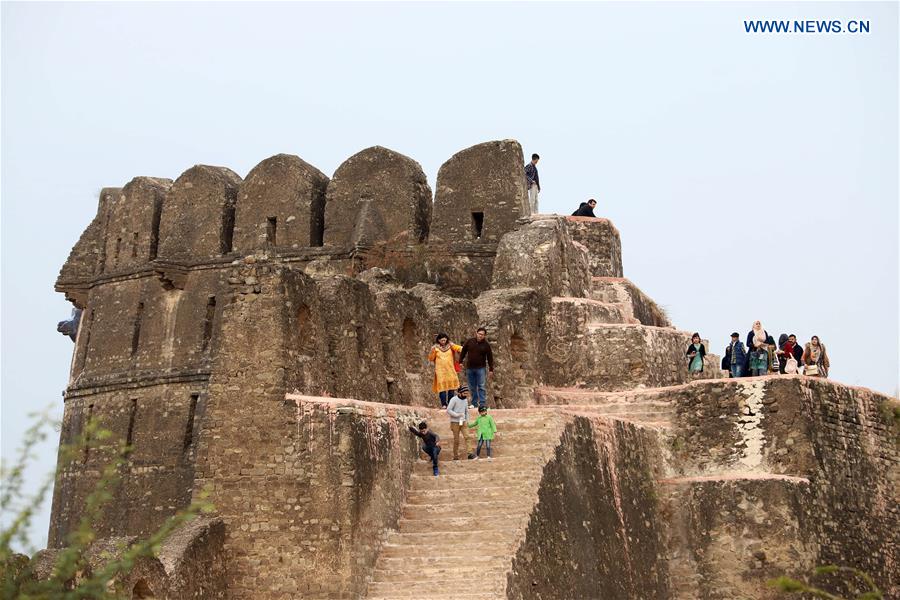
[142,590]
[410,345]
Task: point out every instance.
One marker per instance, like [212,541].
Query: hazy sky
[751,176]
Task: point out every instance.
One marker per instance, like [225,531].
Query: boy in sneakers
[431,443]
[487,428]
[458,409]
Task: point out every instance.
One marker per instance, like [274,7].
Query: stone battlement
[267,338]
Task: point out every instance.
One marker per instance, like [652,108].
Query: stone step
[423,479]
[532,429]
[468,583]
[474,523]
[475,494]
[499,463]
[521,443]
[450,596]
[473,547]
[449,539]
[464,506]
[588,311]
[446,570]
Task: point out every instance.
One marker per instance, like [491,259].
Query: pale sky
[751,176]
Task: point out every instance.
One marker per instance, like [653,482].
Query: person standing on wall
[479,360]
[586,209]
[695,353]
[735,356]
[758,341]
[815,359]
[446,366]
[533,182]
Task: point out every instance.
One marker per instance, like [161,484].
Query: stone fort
[265,339]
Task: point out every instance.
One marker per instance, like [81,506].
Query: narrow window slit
[129,438]
[477,224]
[208,321]
[87,434]
[136,332]
[271,230]
[189,428]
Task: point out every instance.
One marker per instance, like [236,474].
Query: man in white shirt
[458,409]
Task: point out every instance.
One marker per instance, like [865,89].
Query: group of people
[762,355]
[533,185]
[476,357]
[458,411]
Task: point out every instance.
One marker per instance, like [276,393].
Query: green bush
[72,577]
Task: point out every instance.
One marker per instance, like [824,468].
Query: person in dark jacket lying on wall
[70,326]
[586,209]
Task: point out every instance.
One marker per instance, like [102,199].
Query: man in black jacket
[479,366]
[586,209]
[431,443]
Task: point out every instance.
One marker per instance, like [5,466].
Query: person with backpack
[735,355]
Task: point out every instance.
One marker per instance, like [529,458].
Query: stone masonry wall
[600,538]
[843,440]
[617,357]
[160,423]
[601,237]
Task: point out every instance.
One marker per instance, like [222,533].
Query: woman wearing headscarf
[815,358]
[782,355]
[758,341]
[695,353]
[444,355]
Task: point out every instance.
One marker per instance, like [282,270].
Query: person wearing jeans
[487,428]
[737,355]
[431,443]
[479,361]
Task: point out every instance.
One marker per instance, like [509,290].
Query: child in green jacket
[486,430]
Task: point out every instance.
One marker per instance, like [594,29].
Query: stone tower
[266,339]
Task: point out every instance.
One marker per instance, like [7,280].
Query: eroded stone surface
[374,196]
[481,193]
[222,364]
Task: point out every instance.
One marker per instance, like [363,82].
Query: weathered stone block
[542,256]
[480,193]
[281,204]
[376,195]
[617,357]
[601,238]
[634,304]
[86,260]
[513,320]
[198,215]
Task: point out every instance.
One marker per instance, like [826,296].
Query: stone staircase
[459,532]
[652,411]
